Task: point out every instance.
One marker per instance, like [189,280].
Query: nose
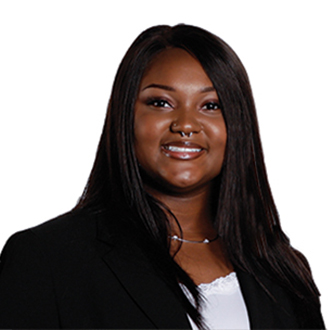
[186,123]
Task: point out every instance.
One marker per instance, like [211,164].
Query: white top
[223,306]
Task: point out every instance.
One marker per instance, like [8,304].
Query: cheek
[149,128]
[218,136]
[146,127]
[218,142]
[146,139]
[142,130]
[142,145]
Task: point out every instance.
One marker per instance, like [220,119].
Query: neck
[193,212]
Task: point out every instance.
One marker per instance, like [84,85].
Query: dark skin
[180,140]
[203,262]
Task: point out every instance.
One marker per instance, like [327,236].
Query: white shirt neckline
[223,306]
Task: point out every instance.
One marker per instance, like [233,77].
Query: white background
[57,64]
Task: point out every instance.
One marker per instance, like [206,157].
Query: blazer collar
[139,279]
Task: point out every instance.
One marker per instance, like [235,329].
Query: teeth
[181,149]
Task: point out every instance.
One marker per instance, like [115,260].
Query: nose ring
[183,134]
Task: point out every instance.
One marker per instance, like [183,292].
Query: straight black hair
[246,215]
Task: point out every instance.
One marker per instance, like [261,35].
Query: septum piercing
[183,134]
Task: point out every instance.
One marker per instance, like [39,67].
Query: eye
[211,106]
[158,103]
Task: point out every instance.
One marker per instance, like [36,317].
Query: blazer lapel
[257,305]
[140,281]
[264,311]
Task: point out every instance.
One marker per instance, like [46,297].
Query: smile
[182,150]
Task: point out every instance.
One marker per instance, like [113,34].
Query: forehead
[173,64]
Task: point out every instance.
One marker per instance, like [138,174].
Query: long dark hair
[246,216]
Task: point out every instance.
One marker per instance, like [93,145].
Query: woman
[177,227]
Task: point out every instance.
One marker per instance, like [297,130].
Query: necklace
[205,241]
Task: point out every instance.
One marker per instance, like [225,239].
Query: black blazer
[77,272]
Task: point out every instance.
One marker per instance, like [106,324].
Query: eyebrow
[171,89]
[167,88]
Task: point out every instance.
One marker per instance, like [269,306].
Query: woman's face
[180,133]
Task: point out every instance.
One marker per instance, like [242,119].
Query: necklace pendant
[205,241]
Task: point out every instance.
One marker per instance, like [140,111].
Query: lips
[182,150]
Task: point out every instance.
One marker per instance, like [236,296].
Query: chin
[186,187]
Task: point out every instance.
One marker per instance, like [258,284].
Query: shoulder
[69,234]
[73,225]
[46,272]
[28,264]
[57,249]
